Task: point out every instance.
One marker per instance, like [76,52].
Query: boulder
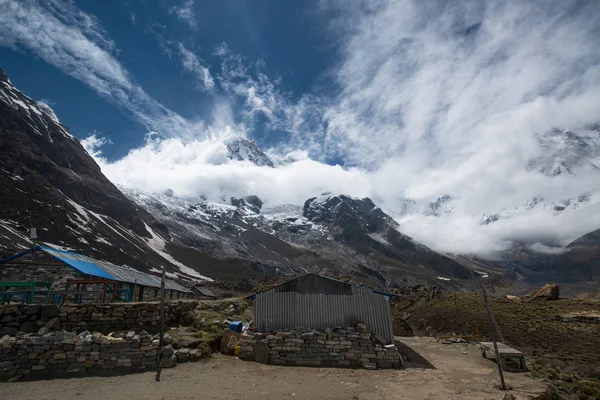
[549,291]
[167,351]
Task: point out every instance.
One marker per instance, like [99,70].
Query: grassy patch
[566,353]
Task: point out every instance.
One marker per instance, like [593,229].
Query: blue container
[236,326]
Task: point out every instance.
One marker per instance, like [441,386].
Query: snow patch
[158,244]
[379,239]
[100,239]
[441,278]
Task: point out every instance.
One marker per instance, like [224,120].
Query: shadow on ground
[411,358]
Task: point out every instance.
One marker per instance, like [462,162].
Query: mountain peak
[242,149]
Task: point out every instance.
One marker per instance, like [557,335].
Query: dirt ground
[436,371]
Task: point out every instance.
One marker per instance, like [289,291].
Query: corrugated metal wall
[305,303]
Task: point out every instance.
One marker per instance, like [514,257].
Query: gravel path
[456,376]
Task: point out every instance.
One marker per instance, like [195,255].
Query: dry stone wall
[340,347]
[103,318]
[60,353]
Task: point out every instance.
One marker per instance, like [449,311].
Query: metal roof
[312,281]
[80,262]
[104,269]
[204,291]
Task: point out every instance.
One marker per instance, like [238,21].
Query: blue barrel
[236,326]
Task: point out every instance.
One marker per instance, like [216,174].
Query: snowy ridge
[242,149]
[37,113]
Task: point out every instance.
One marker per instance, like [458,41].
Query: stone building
[64,276]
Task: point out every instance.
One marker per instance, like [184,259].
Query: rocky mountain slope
[48,181]
[333,235]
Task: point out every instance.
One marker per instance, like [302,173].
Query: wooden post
[493,330]
[162,322]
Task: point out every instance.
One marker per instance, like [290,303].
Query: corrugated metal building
[319,302]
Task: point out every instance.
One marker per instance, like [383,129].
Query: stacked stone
[60,353]
[98,317]
[340,347]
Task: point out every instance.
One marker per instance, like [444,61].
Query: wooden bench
[506,352]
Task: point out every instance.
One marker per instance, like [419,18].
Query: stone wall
[347,347]
[56,275]
[60,353]
[93,317]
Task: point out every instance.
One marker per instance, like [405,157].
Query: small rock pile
[340,347]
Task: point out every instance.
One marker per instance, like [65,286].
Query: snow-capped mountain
[335,235]
[565,154]
[242,149]
[49,181]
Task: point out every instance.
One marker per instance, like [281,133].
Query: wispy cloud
[430,98]
[185,12]
[93,143]
[433,98]
[74,42]
[196,67]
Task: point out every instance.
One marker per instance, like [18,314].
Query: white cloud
[185,12]
[196,168]
[93,143]
[431,98]
[194,65]
[73,42]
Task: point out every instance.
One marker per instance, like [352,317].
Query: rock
[434,293]
[549,291]
[85,335]
[183,355]
[42,331]
[262,351]
[401,328]
[254,200]
[8,330]
[53,324]
[509,396]
[252,203]
[167,351]
[5,338]
[29,327]
[7,318]
[167,339]
[50,311]
[167,362]
[33,309]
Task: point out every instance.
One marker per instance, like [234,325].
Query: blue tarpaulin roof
[103,269]
[82,263]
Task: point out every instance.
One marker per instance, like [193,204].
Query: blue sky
[288,38]
[404,101]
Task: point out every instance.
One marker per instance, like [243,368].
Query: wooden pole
[162,323]
[493,330]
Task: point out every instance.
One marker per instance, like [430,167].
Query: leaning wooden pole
[162,323]
[493,330]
